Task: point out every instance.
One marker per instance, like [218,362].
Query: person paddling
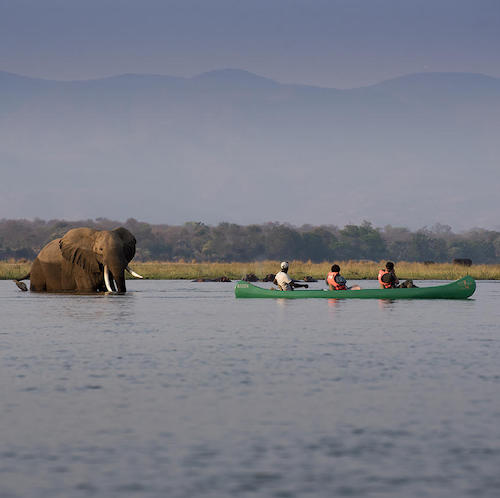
[283,280]
[336,281]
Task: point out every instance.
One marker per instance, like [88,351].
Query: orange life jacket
[381,273]
[331,281]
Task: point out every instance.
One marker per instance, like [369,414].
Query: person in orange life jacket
[336,281]
[283,280]
[387,277]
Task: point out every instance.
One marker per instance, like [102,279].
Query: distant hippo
[462,261]
[308,278]
[218,279]
[269,277]
[408,284]
[222,279]
[251,277]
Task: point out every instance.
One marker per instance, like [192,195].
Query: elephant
[84,260]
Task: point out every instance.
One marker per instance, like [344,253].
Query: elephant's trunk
[114,270]
[118,276]
[120,281]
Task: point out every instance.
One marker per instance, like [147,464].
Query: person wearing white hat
[283,280]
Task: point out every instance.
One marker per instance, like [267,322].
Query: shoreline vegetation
[196,241]
[352,270]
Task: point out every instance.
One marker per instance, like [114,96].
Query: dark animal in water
[251,277]
[462,261]
[407,284]
[218,279]
[269,277]
[83,260]
[223,279]
[308,278]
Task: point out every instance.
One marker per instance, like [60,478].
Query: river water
[177,389]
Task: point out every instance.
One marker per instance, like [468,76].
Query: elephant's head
[106,252]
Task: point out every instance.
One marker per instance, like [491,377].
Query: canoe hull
[460,289]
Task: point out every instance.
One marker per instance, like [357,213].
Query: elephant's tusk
[106,279]
[133,273]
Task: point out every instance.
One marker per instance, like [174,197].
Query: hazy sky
[331,43]
[335,43]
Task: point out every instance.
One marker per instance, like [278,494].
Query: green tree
[361,242]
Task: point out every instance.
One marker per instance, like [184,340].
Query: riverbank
[352,270]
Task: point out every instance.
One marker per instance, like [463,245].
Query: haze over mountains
[410,151]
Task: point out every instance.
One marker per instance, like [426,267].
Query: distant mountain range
[229,145]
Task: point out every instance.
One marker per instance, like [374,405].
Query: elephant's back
[51,253]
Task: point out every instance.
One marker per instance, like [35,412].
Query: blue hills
[231,145]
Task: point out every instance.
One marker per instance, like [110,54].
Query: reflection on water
[97,308]
[386,304]
[178,389]
[334,307]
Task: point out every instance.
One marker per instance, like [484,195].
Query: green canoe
[460,289]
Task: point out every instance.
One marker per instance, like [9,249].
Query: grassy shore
[352,270]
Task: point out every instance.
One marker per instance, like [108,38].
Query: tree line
[22,239]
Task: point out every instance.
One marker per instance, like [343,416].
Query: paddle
[293,284]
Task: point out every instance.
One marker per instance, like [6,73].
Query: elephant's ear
[76,247]
[128,242]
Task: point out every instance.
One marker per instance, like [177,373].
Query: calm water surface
[177,389]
